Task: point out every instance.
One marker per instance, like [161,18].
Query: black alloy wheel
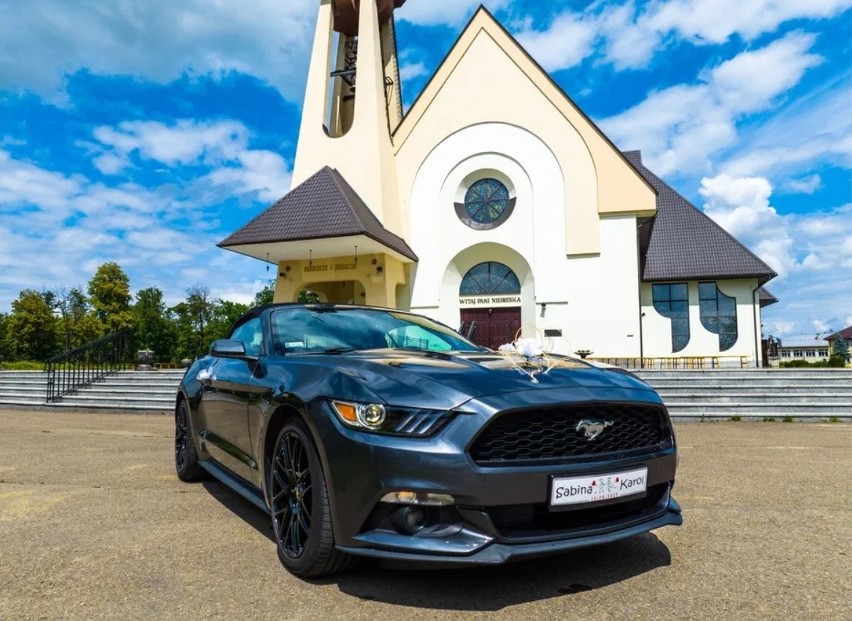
[291,494]
[301,517]
[186,459]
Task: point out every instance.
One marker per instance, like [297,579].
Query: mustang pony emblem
[592,428]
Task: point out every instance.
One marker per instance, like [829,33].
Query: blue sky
[146,132]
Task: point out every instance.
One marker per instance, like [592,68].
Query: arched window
[488,279]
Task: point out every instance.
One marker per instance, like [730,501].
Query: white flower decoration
[529,347]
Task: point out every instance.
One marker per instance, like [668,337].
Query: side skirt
[229,479]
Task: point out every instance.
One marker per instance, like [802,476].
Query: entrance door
[492,326]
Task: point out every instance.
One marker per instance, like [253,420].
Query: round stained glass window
[487,203]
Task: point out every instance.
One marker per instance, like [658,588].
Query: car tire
[186,458]
[301,515]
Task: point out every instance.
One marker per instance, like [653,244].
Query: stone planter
[144,360]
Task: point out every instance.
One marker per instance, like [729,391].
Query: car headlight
[389,419]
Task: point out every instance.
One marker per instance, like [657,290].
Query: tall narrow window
[718,314]
[672,301]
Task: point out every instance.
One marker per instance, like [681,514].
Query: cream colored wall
[657,329]
[593,299]
[364,155]
[482,81]
[377,276]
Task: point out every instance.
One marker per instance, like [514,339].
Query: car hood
[441,380]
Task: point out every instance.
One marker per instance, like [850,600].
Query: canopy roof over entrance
[321,217]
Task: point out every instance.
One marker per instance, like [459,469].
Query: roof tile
[686,244]
[322,206]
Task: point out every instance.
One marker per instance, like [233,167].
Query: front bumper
[361,468]
[447,552]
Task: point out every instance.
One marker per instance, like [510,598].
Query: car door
[225,403]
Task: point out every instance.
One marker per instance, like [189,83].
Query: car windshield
[336,330]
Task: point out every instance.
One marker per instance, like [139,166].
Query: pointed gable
[321,207]
[487,78]
[686,244]
[484,21]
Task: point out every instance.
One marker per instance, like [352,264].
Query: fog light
[419,498]
[409,519]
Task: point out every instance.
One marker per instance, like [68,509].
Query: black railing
[88,363]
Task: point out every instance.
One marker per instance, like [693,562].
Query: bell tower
[353,102]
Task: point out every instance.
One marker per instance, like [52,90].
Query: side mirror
[226,348]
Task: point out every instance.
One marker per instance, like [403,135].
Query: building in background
[494,204]
[846,335]
[804,347]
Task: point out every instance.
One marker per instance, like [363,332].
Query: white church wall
[657,329]
[592,299]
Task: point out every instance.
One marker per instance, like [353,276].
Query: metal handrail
[86,364]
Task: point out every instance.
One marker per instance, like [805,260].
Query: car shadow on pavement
[495,588]
[480,588]
[240,507]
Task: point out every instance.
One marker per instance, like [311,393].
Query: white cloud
[816,130]
[25,183]
[678,128]
[565,43]
[718,21]
[221,145]
[803,185]
[263,172]
[750,80]
[409,71]
[185,142]
[61,227]
[629,37]
[797,246]
[44,42]
[629,43]
[444,12]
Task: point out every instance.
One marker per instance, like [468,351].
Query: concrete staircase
[822,394]
[142,391]
[147,391]
[819,394]
[22,388]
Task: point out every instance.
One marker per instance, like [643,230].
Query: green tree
[224,314]
[85,325]
[306,296]
[192,318]
[76,324]
[840,348]
[31,328]
[4,333]
[152,326]
[109,292]
[265,295]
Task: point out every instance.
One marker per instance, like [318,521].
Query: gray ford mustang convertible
[374,432]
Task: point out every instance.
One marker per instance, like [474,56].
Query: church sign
[329,267]
[490,301]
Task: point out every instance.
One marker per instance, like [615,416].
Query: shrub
[795,364]
[22,365]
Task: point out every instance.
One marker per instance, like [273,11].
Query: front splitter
[499,553]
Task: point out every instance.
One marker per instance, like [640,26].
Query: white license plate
[575,490]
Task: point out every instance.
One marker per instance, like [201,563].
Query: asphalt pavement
[95,525]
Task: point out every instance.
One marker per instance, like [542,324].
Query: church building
[491,210]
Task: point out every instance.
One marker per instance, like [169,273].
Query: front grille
[549,435]
[537,522]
